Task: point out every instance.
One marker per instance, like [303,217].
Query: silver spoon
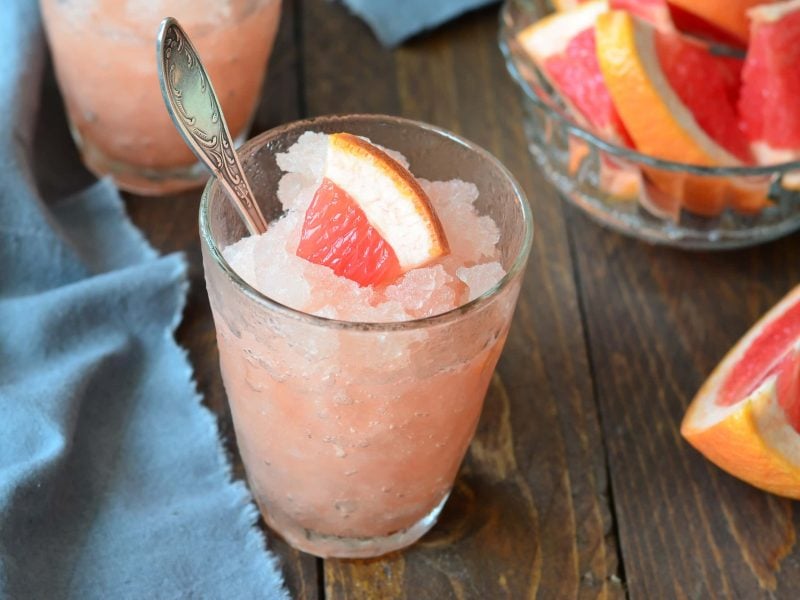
[197,114]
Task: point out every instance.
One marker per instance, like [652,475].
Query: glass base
[332,546]
[143,180]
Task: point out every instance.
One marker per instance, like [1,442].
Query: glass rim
[508,44]
[451,315]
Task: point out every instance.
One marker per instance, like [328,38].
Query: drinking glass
[351,433]
[105,62]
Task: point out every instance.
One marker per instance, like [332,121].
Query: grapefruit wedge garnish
[771,83]
[369,221]
[655,12]
[746,417]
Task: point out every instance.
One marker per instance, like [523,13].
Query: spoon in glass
[197,114]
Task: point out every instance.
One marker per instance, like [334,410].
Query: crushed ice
[268,262]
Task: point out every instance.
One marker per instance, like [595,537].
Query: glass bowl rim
[451,315]
[507,43]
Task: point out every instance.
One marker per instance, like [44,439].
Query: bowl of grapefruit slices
[674,121]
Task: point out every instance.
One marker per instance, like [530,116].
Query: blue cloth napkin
[394,22]
[113,483]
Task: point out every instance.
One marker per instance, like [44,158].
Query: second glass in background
[104,57]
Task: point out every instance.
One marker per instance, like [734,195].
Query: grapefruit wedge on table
[369,221]
[676,101]
[770,99]
[746,417]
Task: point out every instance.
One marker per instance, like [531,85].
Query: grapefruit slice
[660,118]
[369,221]
[708,85]
[746,417]
[771,83]
[720,20]
[677,101]
[723,21]
[563,45]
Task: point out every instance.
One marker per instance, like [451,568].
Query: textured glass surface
[352,433]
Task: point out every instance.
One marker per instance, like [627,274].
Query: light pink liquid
[364,459]
[104,55]
[351,437]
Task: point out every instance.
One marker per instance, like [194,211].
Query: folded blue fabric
[395,22]
[113,483]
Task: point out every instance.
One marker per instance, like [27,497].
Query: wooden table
[578,483]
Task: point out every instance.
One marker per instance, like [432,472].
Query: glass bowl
[637,194]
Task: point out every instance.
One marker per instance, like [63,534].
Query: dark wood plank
[529,514]
[658,321]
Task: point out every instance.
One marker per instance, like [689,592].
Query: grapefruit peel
[657,120]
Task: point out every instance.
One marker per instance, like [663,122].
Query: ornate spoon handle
[196,112]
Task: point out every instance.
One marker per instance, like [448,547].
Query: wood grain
[529,514]
[658,322]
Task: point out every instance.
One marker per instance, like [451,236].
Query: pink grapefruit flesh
[337,234]
[655,12]
[708,85]
[576,74]
[370,220]
[769,103]
[765,356]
